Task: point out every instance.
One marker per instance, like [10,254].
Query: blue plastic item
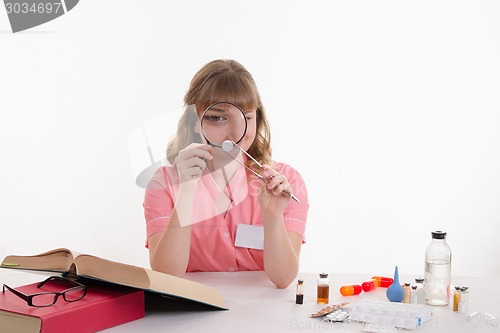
[395,292]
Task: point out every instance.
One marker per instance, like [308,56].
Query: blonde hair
[222,81]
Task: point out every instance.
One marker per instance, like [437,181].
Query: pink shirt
[212,239]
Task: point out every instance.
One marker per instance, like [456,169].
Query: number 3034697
[34,8]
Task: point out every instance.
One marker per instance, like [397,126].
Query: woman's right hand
[190,162]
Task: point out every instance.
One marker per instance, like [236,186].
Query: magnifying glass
[224,125]
[223,121]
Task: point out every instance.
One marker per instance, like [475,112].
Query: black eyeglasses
[44,299]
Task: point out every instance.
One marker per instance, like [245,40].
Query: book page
[111,271]
[58,260]
[15,322]
[172,285]
[146,279]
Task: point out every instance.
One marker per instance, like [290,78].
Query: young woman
[198,211]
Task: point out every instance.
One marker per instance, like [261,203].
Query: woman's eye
[216,119]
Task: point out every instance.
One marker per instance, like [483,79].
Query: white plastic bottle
[437,270]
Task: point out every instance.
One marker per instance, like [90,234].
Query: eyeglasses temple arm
[14,291]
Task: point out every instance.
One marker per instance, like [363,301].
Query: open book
[95,268]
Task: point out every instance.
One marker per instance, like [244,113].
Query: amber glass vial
[323,289]
[457,295]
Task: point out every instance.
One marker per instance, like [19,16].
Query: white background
[389,109]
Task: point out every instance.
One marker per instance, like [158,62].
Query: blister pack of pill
[391,314]
[338,315]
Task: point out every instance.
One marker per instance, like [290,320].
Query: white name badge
[249,236]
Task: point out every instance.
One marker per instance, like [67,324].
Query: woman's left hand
[273,201]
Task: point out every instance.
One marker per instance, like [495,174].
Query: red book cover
[103,306]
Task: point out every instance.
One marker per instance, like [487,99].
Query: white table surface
[256,305]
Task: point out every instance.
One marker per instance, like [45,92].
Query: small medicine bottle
[414,295]
[419,282]
[299,296]
[463,305]
[457,298]
[407,293]
[323,289]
